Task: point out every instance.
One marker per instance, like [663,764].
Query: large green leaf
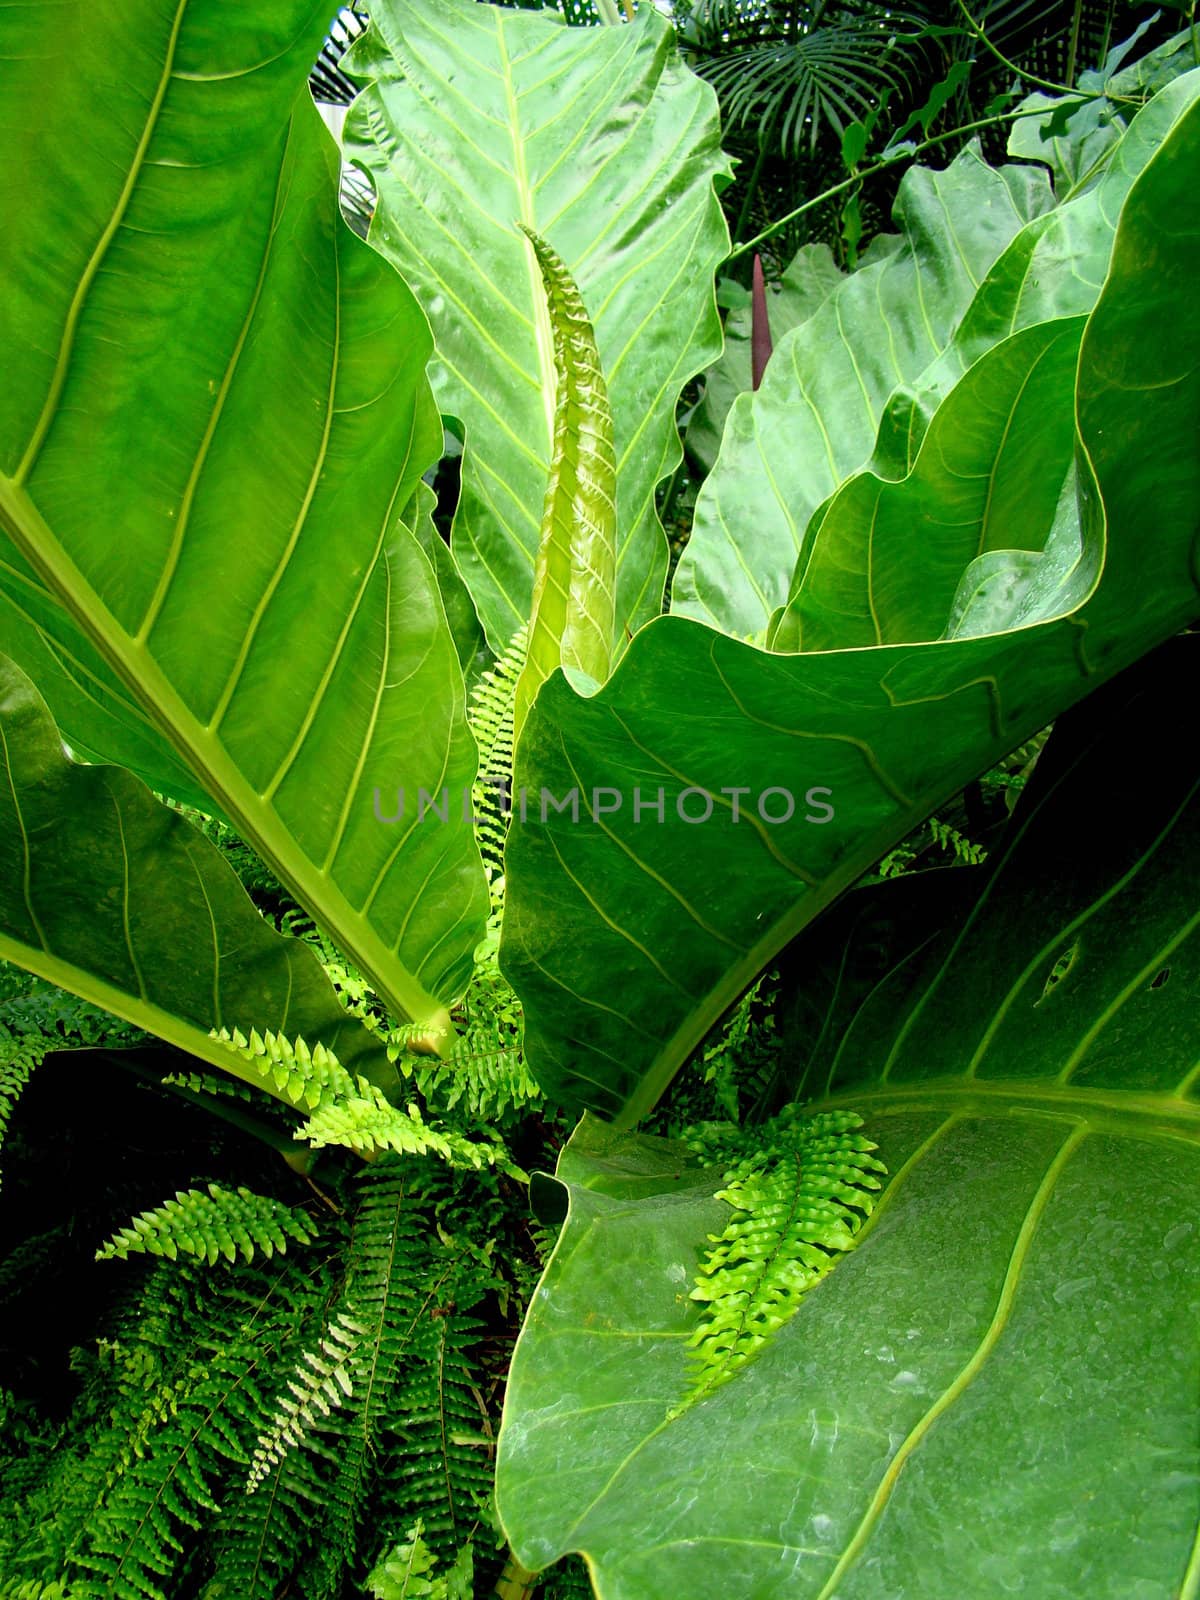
[627,937]
[815,418]
[214,416]
[1075,137]
[983,491]
[89,699]
[108,893]
[1055,267]
[996,1392]
[476,118]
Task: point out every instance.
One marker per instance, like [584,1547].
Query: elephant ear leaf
[1057,509]
[214,417]
[1017,1325]
[109,893]
[574,583]
[606,145]
[814,422]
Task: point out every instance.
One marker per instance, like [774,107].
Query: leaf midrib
[541,313]
[208,759]
[1146,1114]
[75,310]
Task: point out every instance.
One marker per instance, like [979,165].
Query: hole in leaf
[1059,970]
[1159,980]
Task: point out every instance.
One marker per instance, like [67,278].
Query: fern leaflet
[407,1572]
[348,1111]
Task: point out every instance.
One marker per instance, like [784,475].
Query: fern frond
[258,1537]
[349,1111]
[440,1457]
[407,1572]
[487,1076]
[490,717]
[219,1382]
[19,1058]
[308,1078]
[320,1381]
[951,840]
[367,1121]
[801,1188]
[213,1226]
[485,1071]
[35,1590]
[213,1083]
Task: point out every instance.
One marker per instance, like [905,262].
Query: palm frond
[803,87]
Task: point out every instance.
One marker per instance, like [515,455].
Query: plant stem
[1073,49]
[878,166]
[516,1582]
[1029,77]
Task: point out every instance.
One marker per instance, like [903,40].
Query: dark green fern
[314,1422]
[37,1019]
[385,1426]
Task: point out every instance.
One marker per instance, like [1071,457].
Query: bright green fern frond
[349,1111]
[489,1076]
[964,850]
[490,716]
[801,1188]
[407,1572]
[215,1084]
[367,1121]
[308,1078]
[572,620]
[213,1226]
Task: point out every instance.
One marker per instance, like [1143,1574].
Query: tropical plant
[805,87]
[1016,1327]
[892,666]
[221,583]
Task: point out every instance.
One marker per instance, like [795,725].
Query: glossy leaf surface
[626,936]
[815,419]
[476,118]
[216,417]
[996,1390]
